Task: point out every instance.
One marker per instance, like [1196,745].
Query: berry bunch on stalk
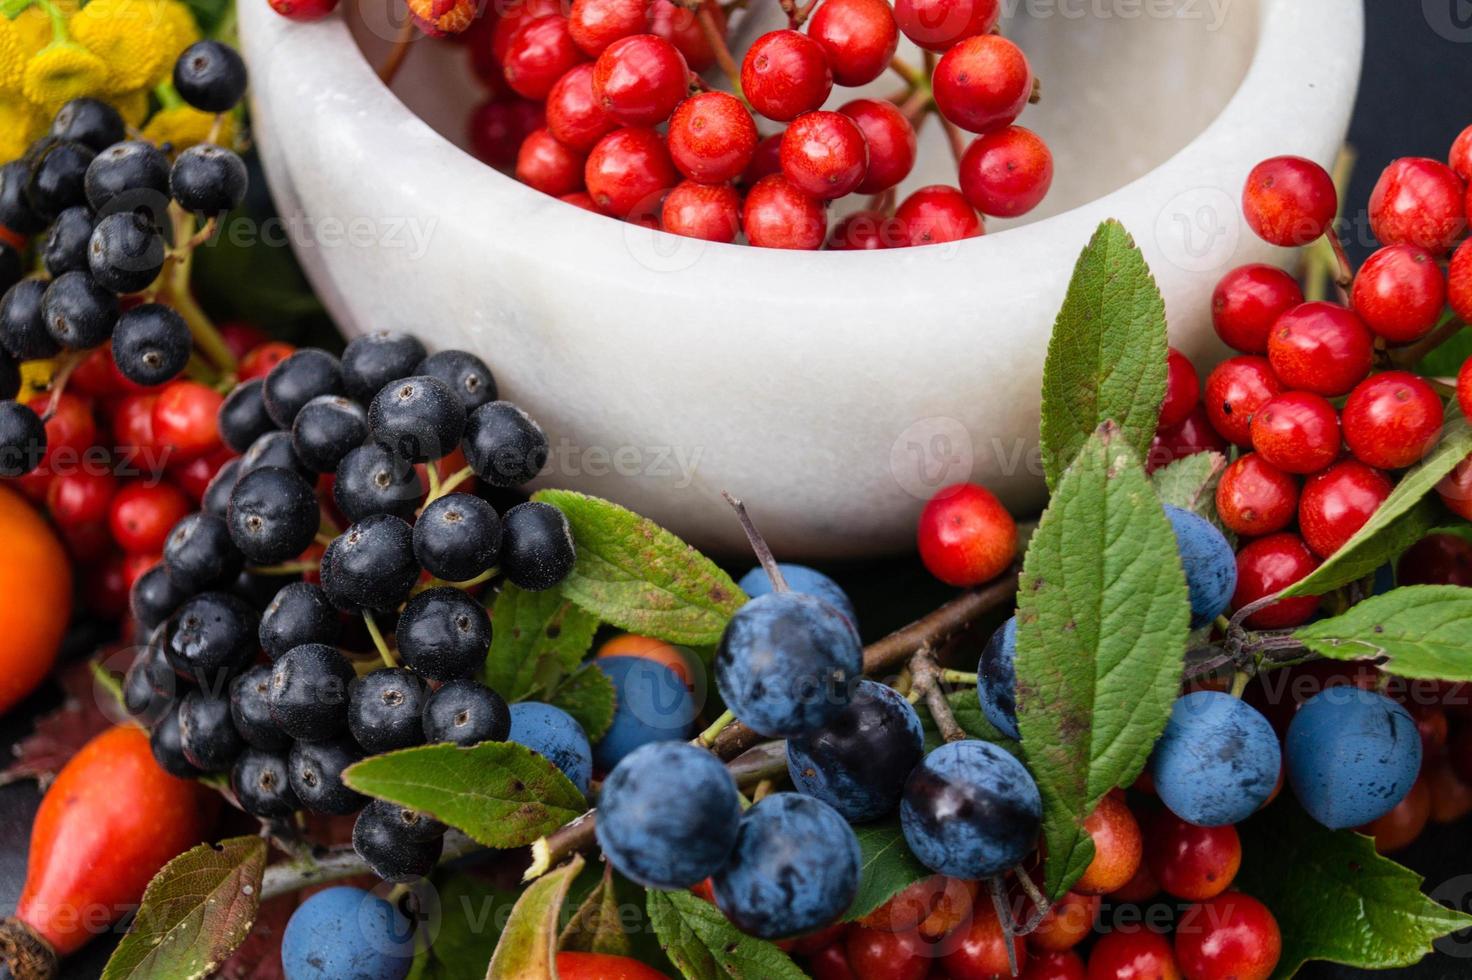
[602,104]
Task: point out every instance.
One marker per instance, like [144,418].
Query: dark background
[1413,101]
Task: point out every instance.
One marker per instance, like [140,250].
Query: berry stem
[758,544]
[953,617]
[1037,94]
[958,677]
[68,364]
[1040,903]
[955,138]
[432,473]
[323,538]
[797,15]
[1408,357]
[717,42]
[927,682]
[707,738]
[998,887]
[1344,274]
[343,862]
[914,77]
[173,285]
[285,568]
[397,54]
[383,651]
[1239,683]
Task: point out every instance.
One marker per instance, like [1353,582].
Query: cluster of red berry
[600,103]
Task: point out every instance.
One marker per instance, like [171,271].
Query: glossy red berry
[548,165]
[574,116]
[1066,924]
[1297,431]
[882,954]
[1230,937]
[1254,497]
[1289,200]
[1061,965]
[859,37]
[937,214]
[1195,435]
[865,231]
[496,130]
[1248,301]
[1235,390]
[712,137]
[1117,847]
[1455,489]
[184,418]
[681,27]
[966,536]
[824,154]
[1006,173]
[1419,201]
[1143,886]
[767,160]
[711,212]
[830,963]
[890,139]
[81,496]
[785,74]
[628,173]
[595,24]
[1321,347]
[1464,388]
[1460,158]
[1403,824]
[1399,293]
[1191,863]
[1336,503]
[1136,954]
[132,422]
[936,25]
[1459,282]
[539,53]
[639,80]
[141,515]
[1266,567]
[1182,388]
[978,951]
[983,83]
[1437,559]
[1392,420]
[779,215]
[303,10]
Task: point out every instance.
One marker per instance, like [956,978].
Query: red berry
[891,142]
[1400,827]
[1399,293]
[242,338]
[1459,282]
[1289,201]
[98,375]
[259,362]
[1006,173]
[628,172]
[983,83]
[859,37]
[824,154]
[1248,301]
[1418,201]
[142,515]
[966,536]
[778,215]
[1235,389]
[978,951]
[1195,435]
[639,80]
[573,114]
[866,230]
[1117,848]
[303,10]
[193,476]
[937,214]
[785,74]
[1182,388]
[539,53]
[1321,347]
[595,24]
[1298,432]
[1464,388]
[135,565]
[184,419]
[1143,886]
[681,27]
[712,137]
[880,954]
[809,942]
[497,129]
[81,496]
[1268,566]
[830,963]
[1392,420]
[1191,863]
[1138,954]
[1336,503]
[707,211]
[767,160]
[132,423]
[105,589]
[1455,489]
[1061,965]
[1067,923]
[1437,559]
[580,199]
[1255,498]
[549,166]
[935,25]
[1230,937]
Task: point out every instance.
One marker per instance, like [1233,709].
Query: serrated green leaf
[1463,531]
[1420,630]
[704,945]
[597,925]
[500,793]
[527,949]
[194,913]
[1106,358]
[636,575]
[589,696]
[1334,897]
[537,638]
[1103,615]
[471,916]
[1400,522]
[1447,359]
[887,866]
[1190,483]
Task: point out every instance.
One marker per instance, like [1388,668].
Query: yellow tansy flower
[62,72]
[20,123]
[12,57]
[184,126]
[184,32]
[132,106]
[33,28]
[134,37]
[35,377]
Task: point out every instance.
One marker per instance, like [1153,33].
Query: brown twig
[1344,276]
[1409,357]
[1037,91]
[998,887]
[940,625]
[759,545]
[927,682]
[717,41]
[956,138]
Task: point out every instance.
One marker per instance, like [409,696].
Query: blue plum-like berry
[347,932]
[801,578]
[668,815]
[653,705]
[970,810]
[794,869]
[997,679]
[556,736]
[1210,563]
[1217,761]
[859,762]
[1352,756]
[788,663]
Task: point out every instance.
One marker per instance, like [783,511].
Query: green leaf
[966,708]
[589,696]
[471,916]
[527,949]
[1102,616]
[194,913]
[1420,630]
[634,574]
[887,867]
[1334,897]
[1463,531]
[1401,521]
[1190,483]
[597,925]
[536,639]
[1106,358]
[705,946]
[1447,359]
[500,793]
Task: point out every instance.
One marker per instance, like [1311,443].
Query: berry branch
[927,675]
[336,863]
[759,545]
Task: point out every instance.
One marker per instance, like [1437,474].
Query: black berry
[261,782]
[212,638]
[444,634]
[371,480]
[155,596]
[16,212]
[316,775]
[198,552]
[466,374]
[457,537]
[384,710]
[273,448]
[373,360]
[217,493]
[304,375]
[141,698]
[373,562]
[300,613]
[210,76]
[65,247]
[57,178]
[22,327]
[207,734]
[79,313]
[12,268]
[537,550]
[503,445]
[129,176]
[9,375]
[126,252]
[413,824]
[151,344]
[250,710]
[327,429]
[382,843]
[90,122]
[309,691]
[208,179]
[273,516]
[418,418]
[22,439]
[242,418]
[166,740]
[466,713]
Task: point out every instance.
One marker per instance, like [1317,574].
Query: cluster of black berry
[105,200]
[405,567]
